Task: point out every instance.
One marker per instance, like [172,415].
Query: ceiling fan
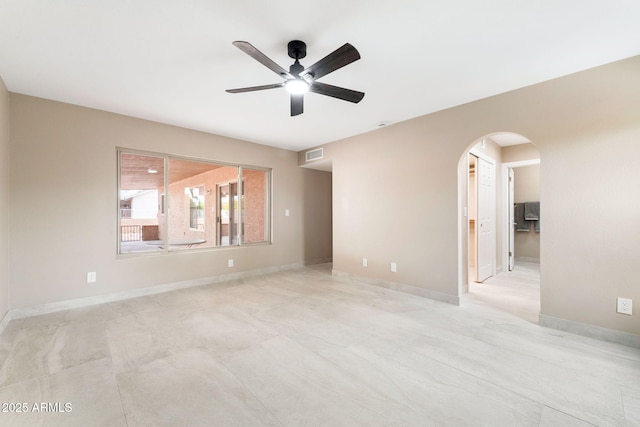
[299,80]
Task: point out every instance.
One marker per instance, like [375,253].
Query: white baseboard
[591,331]
[527,259]
[318,261]
[20,313]
[400,287]
[5,321]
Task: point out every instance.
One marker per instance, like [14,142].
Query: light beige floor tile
[20,398]
[575,392]
[144,336]
[301,347]
[189,389]
[516,292]
[85,395]
[301,388]
[631,399]
[553,418]
[432,390]
[33,350]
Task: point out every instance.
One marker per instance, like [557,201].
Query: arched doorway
[486,232]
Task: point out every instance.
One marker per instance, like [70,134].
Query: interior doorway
[503,150]
[513,283]
[521,241]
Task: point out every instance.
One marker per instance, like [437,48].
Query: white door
[485,217]
[511,227]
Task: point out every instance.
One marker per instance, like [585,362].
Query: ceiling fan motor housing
[297,49]
[296,68]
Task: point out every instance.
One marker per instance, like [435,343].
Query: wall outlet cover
[394,267]
[230,263]
[91,277]
[625,306]
[365,262]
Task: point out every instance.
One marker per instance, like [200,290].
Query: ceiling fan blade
[340,57]
[336,92]
[254,88]
[296,104]
[250,50]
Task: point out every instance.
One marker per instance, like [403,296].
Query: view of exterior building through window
[168,203]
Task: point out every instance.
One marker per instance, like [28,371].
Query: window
[168,203]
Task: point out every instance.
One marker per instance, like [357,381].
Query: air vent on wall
[314,154]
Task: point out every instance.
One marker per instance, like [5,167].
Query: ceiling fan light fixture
[296,86]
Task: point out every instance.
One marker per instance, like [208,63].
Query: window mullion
[240,206]
[167,205]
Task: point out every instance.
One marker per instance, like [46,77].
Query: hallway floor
[516,292]
[300,348]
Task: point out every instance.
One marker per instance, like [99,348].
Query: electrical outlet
[394,267]
[365,262]
[230,263]
[625,306]
[91,277]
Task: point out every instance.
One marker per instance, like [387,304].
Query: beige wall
[520,152]
[63,160]
[4,199]
[527,189]
[395,196]
[317,216]
[396,192]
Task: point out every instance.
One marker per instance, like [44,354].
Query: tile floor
[516,292]
[301,348]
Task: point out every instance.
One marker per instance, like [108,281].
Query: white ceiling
[171,61]
[507,138]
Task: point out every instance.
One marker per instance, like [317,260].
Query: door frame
[471,210]
[505,204]
[511,221]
